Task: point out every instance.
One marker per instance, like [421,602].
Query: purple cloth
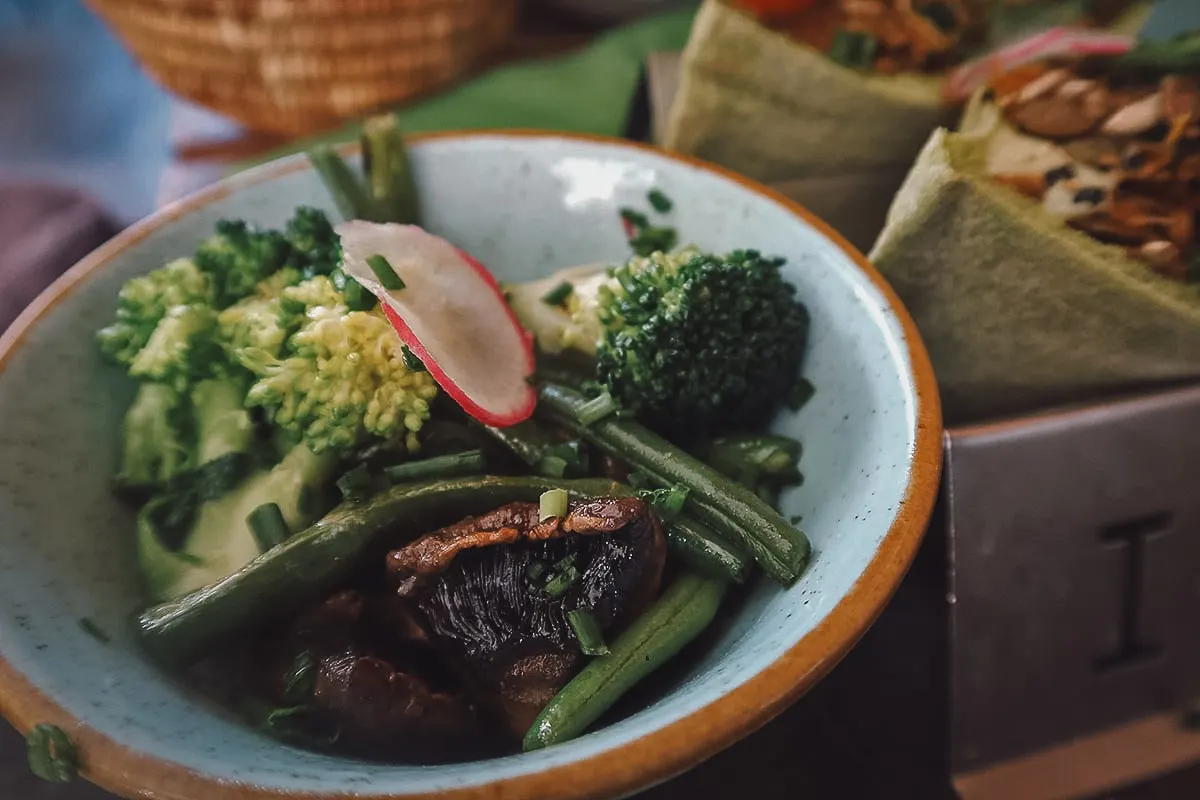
[43,232]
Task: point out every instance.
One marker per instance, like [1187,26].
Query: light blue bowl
[524,204]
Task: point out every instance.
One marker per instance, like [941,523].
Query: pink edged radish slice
[451,314]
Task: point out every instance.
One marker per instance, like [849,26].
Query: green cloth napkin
[589,91]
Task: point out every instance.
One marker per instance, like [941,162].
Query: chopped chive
[282,714]
[587,632]
[268,526]
[635,218]
[596,409]
[301,678]
[559,294]
[411,362]
[92,629]
[561,581]
[661,203]
[355,485]
[384,272]
[468,462]
[552,467]
[51,755]
[652,240]
[535,571]
[853,49]
[553,503]
[667,502]
[801,393]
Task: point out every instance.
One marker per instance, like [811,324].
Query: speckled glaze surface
[524,204]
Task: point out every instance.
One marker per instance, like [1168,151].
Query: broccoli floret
[316,249]
[183,348]
[145,300]
[156,438]
[256,323]
[238,257]
[699,345]
[342,378]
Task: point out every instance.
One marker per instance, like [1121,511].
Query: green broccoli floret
[156,438]
[256,323]
[238,257]
[183,348]
[342,378]
[145,300]
[699,345]
[316,249]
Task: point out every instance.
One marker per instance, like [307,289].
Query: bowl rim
[634,765]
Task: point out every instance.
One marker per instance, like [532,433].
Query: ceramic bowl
[525,204]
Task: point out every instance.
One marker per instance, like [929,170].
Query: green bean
[728,507]
[388,171]
[351,199]
[696,544]
[451,465]
[674,620]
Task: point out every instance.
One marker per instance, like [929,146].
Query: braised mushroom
[495,592]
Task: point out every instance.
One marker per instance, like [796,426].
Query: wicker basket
[296,66]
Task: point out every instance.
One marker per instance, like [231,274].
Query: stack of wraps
[1060,269]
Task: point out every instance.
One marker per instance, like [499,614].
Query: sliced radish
[965,79]
[451,314]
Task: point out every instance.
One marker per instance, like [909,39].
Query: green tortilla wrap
[774,109]
[761,103]
[1018,311]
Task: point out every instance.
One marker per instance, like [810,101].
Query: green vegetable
[667,502]
[411,361]
[853,49]
[559,294]
[214,540]
[565,576]
[51,755]
[238,256]
[674,620]
[587,632]
[659,201]
[596,409]
[385,273]
[389,174]
[552,504]
[352,200]
[183,348]
[469,462]
[800,394]
[143,302]
[697,545]
[314,561]
[156,437]
[730,509]
[268,526]
[700,345]
[92,629]
[316,248]
[755,460]
[342,380]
